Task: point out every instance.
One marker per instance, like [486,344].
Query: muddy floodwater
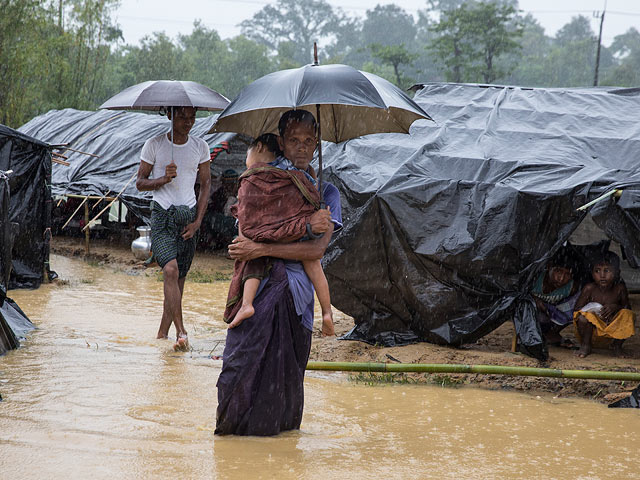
[91,395]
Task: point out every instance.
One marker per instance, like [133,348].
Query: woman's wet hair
[298,116]
[608,258]
[563,259]
[270,141]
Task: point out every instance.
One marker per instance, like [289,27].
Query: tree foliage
[473,36]
[295,24]
[70,53]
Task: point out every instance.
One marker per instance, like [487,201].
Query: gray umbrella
[347,103]
[156,95]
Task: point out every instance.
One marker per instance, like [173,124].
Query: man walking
[169,169]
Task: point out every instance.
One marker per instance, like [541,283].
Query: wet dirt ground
[91,394]
[493,349]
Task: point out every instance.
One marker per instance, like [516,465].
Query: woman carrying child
[261,152]
[603,313]
[261,384]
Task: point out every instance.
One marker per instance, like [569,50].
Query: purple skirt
[260,388]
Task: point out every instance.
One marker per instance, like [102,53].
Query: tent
[25,167]
[447,228]
[117,137]
[29,213]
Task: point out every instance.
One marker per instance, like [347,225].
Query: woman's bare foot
[245,312]
[583,352]
[327,325]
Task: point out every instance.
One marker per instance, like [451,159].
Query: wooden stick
[61,162]
[110,203]
[80,151]
[101,199]
[60,155]
[74,212]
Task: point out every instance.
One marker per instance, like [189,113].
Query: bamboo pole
[100,200]
[75,211]
[110,203]
[80,151]
[482,369]
[61,162]
[614,192]
[86,232]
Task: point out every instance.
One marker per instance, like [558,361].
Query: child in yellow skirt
[602,314]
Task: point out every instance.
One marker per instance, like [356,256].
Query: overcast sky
[138,18]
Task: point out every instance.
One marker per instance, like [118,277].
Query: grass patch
[372,379]
[196,276]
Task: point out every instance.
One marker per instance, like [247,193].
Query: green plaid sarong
[166,238]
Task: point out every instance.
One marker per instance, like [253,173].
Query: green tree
[571,61]
[626,48]
[295,23]
[394,56]
[530,61]
[472,37]
[157,58]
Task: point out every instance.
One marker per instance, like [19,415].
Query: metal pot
[141,246]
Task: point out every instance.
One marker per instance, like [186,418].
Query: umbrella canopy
[157,94]
[351,103]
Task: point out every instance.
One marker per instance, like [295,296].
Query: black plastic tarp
[29,205]
[117,138]
[447,228]
[14,324]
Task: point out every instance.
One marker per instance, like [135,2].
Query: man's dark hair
[298,116]
[608,258]
[270,141]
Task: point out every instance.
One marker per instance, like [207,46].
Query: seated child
[262,151]
[556,293]
[602,311]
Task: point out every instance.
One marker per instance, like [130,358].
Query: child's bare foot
[583,352]
[182,343]
[245,312]
[327,325]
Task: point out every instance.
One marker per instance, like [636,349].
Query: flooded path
[91,394]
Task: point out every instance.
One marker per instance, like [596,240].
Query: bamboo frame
[110,203]
[75,211]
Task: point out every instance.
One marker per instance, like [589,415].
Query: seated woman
[556,293]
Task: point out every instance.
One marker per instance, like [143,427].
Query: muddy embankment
[493,349]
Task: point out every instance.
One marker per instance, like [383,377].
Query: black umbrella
[347,103]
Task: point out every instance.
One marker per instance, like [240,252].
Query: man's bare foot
[245,312]
[583,352]
[182,343]
[327,325]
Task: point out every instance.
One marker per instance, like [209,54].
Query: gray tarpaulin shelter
[25,203]
[117,138]
[446,229]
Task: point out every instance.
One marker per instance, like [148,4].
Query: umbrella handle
[319,156]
